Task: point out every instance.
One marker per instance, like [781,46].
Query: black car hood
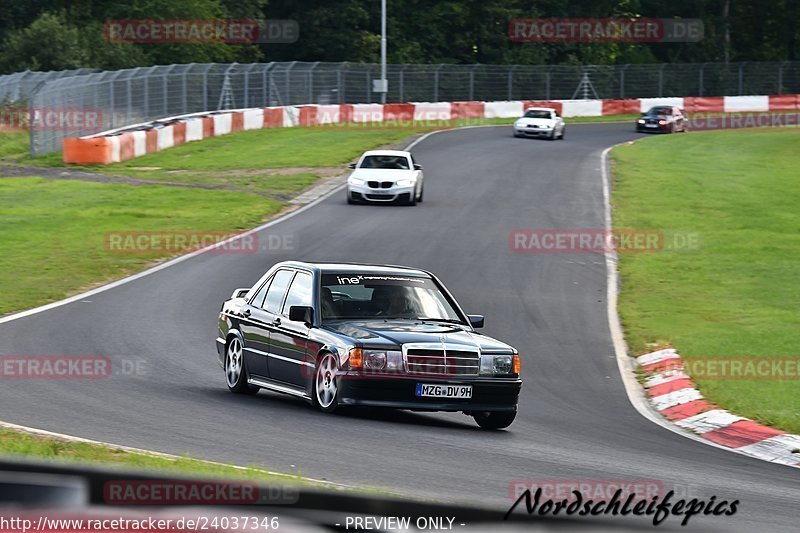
[393,333]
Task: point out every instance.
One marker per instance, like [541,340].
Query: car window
[396,162]
[538,113]
[299,292]
[277,289]
[258,299]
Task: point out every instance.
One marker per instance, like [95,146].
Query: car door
[288,339]
[254,326]
[263,317]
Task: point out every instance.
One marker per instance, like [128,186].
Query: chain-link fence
[118,98]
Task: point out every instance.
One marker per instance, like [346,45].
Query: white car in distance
[540,122]
[385,176]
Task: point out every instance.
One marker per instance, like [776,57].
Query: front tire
[421,192]
[236,369]
[494,420]
[326,392]
[563,132]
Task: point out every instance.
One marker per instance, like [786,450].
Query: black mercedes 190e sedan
[365,335]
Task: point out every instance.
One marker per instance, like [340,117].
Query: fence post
[510,83]
[310,98]
[702,72]
[547,83]
[401,81]
[622,81]
[472,83]
[741,78]
[661,80]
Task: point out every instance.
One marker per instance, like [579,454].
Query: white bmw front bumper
[372,194]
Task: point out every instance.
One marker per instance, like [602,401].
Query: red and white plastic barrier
[674,395]
[127,143]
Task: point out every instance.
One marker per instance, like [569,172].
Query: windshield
[537,113]
[660,111]
[391,162]
[386,296]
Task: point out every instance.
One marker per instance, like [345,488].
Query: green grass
[14,145]
[18,444]
[52,232]
[738,294]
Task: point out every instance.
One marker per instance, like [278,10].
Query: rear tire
[236,368]
[494,420]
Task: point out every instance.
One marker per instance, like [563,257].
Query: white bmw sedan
[385,176]
[540,122]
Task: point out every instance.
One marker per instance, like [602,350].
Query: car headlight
[662,122]
[356,181]
[640,121]
[388,360]
[406,182]
[505,364]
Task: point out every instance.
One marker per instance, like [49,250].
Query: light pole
[384,87]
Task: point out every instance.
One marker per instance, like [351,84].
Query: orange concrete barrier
[90,151]
[558,106]
[273,117]
[704,104]
[467,110]
[126,146]
[621,107]
[178,133]
[308,116]
[398,112]
[237,121]
[346,113]
[208,127]
[784,102]
[151,141]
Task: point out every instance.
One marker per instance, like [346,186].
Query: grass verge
[16,444]
[737,294]
[53,233]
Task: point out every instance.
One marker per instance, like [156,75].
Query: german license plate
[426,390]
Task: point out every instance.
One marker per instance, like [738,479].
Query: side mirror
[351,165]
[476,321]
[302,313]
[417,167]
[239,293]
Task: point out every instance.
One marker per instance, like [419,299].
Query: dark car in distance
[662,119]
[365,335]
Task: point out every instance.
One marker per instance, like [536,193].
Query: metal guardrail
[141,94]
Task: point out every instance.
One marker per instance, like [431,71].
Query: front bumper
[534,132]
[365,193]
[653,128]
[488,394]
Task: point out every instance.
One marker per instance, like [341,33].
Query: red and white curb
[673,394]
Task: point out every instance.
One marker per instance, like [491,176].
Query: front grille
[380,184]
[442,362]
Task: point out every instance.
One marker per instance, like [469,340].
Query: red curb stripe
[661,366]
[741,433]
[685,410]
[670,386]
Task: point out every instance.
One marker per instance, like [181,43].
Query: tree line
[66,34]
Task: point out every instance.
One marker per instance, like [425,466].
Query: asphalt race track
[575,420]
